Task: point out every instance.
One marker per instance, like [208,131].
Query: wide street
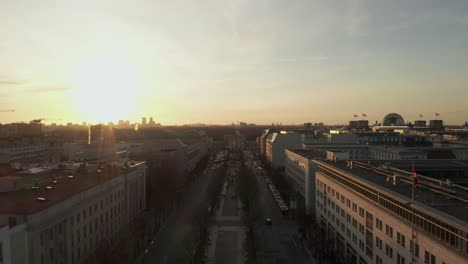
[275,243]
[170,244]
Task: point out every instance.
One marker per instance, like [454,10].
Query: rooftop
[25,201]
[451,199]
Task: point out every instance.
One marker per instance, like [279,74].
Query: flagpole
[413,237]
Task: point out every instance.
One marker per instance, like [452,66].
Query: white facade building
[369,219]
[67,222]
[276,144]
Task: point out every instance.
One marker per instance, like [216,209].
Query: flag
[364,115]
[420,115]
[437,114]
[355,116]
[415,178]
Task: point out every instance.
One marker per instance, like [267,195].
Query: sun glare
[106,90]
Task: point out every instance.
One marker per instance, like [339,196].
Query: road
[227,231]
[169,246]
[275,243]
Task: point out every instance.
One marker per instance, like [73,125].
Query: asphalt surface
[169,246]
[226,231]
[275,243]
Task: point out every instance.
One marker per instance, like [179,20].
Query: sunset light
[233,132]
[106,89]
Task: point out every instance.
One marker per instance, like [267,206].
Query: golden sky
[226,61]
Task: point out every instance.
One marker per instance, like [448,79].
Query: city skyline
[218,63]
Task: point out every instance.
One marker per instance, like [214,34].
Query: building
[235,141]
[263,138]
[276,145]
[143,121]
[359,125]
[393,138]
[24,155]
[367,214]
[393,119]
[436,125]
[420,124]
[437,162]
[64,219]
[301,177]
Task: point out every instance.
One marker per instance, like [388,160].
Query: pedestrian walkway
[227,233]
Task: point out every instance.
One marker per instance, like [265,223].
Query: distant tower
[143,120]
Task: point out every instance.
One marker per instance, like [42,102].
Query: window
[369,221]
[400,239]
[348,232]
[378,223]
[389,231]
[354,238]
[400,259]
[416,248]
[361,212]
[378,242]
[354,223]
[361,228]
[429,258]
[1,252]
[354,207]
[348,218]
[348,203]
[361,245]
[388,251]
[378,260]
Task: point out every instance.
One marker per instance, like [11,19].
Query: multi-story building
[22,156]
[64,219]
[276,144]
[263,138]
[299,161]
[369,216]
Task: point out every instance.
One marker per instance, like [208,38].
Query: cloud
[48,89]
[6,82]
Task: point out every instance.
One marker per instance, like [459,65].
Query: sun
[106,90]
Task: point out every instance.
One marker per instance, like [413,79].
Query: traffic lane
[269,206]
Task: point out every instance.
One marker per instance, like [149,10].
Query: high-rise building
[143,121]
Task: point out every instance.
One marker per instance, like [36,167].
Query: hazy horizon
[220,62]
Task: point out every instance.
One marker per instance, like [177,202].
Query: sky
[223,61]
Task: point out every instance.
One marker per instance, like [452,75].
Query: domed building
[393,119]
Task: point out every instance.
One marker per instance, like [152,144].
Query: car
[268,221]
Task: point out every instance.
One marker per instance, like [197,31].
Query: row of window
[109,217]
[429,258]
[440,229]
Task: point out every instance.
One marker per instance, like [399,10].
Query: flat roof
[24,201]
[424,194]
